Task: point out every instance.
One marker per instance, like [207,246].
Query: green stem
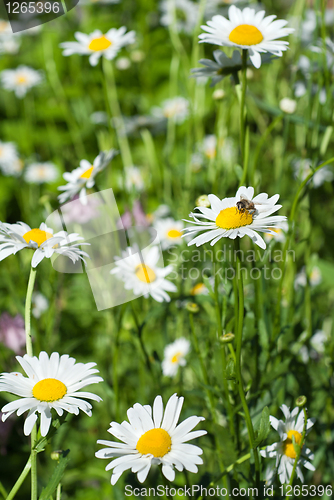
[27,313]
[243,112]
[115,109]
[2,490]
[139,329]
[33,464]
[20,480]
[58,493]
[299,451]
[238,363]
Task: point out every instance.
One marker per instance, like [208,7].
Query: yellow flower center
[37,235]
[198,289]
[49,389]
[231,218]
[145,273]
[176,357]
[288,448]
[101,43]
[210,153]
[156,442]
[174,233]
[21,79]
[245,34]
[87,173]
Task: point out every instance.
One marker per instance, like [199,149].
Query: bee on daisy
[52,383]
[248,29]
[174,356]
[15,237]
[152,437]
[284,450]
[83,177]
[97,44]
[169,232]
[240,215]
[141,273]
[20,80]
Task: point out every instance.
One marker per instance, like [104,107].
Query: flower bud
[301,401]
[192,307]
[203,201]
[227,338]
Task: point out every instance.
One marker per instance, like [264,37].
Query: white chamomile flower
[38,173]
[15,237]
[175,108]
[96,44]
[9,41]
[314,277]
[152,436]
[83,177]
[284,450]
[182,13]
[287,105]
[133,179]
[8,155]
[169,232]
[199,289]
[40,304]
[248,29]
[226,220]
[20,80]
[174,356]
[278,233]
[141,273]
[52,383]
[210,146]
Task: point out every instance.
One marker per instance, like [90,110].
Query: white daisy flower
[303,168]
[174,356]
[39,304]
[15,237]
[83,177]
[284,450]
[38,173]
[169,232]
[14,168]
[210,146]
[199,289]
[278,233]
[8,155]
[184,12]
[96,44]
[176,109]
[315,277]
[140,273]
[227,220]
[9,41]
[52,383]
[133,179]
[248,29]
[20,80]
[287,105]
[153,439]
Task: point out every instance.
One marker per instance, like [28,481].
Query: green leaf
[56,477]
[264,428]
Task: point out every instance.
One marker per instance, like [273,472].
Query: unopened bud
[55,455]
[227,338]
[203,201]
[301,401]
[218,94]
[192,307]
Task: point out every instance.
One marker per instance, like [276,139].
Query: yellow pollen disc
[49,389]
[101,43]
[145,273]
[197,289]
[156,442]
[176,357]
[37,235]
[174,233]
[210,153]
[232,218]
[21,79]
[246,34]
[288,448]
[87,173]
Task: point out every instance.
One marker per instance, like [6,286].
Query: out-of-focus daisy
[38,173]
[83,177]
[174,356]
[303,168]
[96,44]
[278,234]
[317,344]
[287,105]
[40,304]
[141,273]
[176,109]
[314,277]
[133,179]
[9,41]
[247,29]
[210,146]
[182,14]
[284,451]
[15,237]
[169,232]
[8,154]
[152,436]
[52,384]
[20,80]
[12,332]
[123,63]
[99,117]
[159,213]
[199,289]
[227,219]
